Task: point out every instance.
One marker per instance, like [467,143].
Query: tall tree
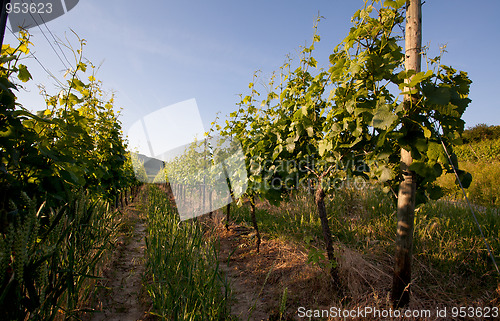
[408,187]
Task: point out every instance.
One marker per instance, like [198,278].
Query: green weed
[184,280]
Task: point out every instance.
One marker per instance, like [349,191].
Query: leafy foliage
[347,120]
[57,170]
[75,143]
[481,132]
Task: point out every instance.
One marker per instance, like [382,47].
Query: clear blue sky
[157,53]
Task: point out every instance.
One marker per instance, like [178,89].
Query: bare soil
[272,283]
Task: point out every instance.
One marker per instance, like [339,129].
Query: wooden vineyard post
[407,189]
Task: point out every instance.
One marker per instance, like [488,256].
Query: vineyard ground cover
[281,278]
[451,264]
[257,281]
[290,271]
[481,158]
[65,171]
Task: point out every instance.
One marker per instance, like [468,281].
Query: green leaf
[439,96]
[465,178]
[385,174]
[24,75]
[422,169]
[427,132]
[304,110]
[277,151]
[415,78]
[419,77]
[354,68]
[390,3]
[394,4]
[313,62]
[323,146]
[24,48]
[7,50]
[434,152]
[310,131]
[69,176]
[336,128]
[435,192]
[82,67]
[383,118]
[78,84]
[5,59]
[290,144]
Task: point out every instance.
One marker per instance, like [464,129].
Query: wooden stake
[407,189]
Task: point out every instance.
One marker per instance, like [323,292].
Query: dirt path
[247,305]
[277,278]
[123,298]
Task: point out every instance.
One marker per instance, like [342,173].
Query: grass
[447,236]
[484,189]
[482,160]
[449,253]
[357,218]
[184,280]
